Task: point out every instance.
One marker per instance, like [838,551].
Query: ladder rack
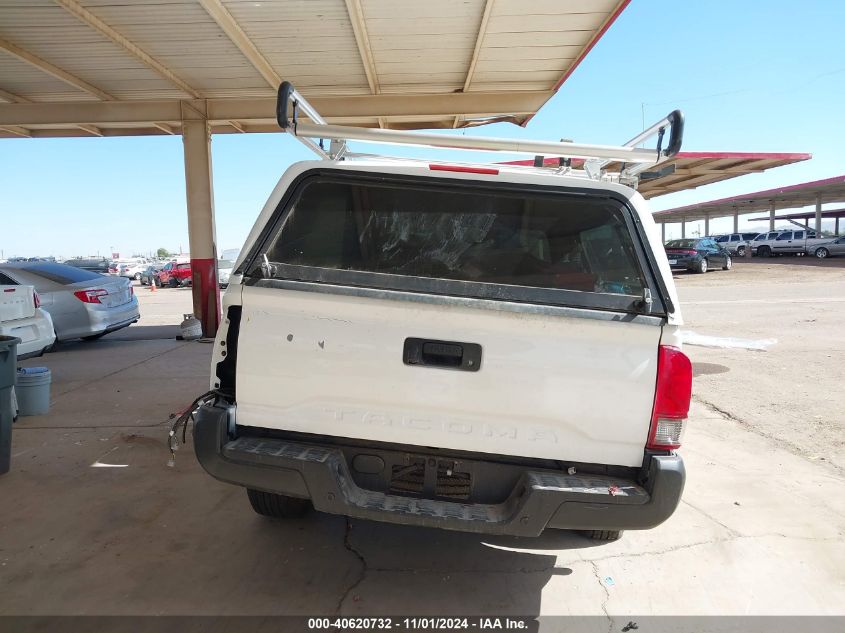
[634,160]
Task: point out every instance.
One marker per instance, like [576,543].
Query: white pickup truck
[452,347]
[488,348]
[22,317]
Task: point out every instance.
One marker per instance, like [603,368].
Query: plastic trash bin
[8,362]
[33,390]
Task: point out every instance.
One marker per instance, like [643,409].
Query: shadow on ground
[793,260]
[175,541]
[132,333]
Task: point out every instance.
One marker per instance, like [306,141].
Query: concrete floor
[760,529]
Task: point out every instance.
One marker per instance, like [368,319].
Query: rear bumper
[36,334]
[113,318]
[541,499]
[684,263]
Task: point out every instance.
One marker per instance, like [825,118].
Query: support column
[196,138]
[772,217]
[683,229]
[663,230]
[736,221]
[818,215]
[706,225]
[836,227]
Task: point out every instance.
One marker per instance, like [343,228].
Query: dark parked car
[94,264]
[697,255]
[149,276]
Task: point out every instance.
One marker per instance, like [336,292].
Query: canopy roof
[688,170]
[118,67]
[791,197]
[807,215]
[694,169]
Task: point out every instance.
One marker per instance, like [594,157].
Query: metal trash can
[32,389]
[8,363]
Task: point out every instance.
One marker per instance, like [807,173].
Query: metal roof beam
[8,97]
[479,41]
[88,18]
[239,38]
[362,39]
[92,130]
[17,131]
[164,127]
[336,109]
[698,171]
[22,131]
[55,71]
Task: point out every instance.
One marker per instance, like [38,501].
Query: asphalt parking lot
[96,522]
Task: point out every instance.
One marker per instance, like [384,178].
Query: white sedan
[22,317]
[82,304]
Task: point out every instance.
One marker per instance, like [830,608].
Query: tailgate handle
[442,354]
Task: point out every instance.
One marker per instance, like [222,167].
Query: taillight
[90,296]
[689,252]
[36,299]
[671,398]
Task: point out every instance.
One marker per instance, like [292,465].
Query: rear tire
[603,535]
[821,253]
[173,283]
[728,263]
[764,251]
[137,276]
[276,506]
[740,252]
[702,266]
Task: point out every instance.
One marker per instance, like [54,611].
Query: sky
[749,76]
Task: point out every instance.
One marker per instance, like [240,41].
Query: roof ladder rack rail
[289,99]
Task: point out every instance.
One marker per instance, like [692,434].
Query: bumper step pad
[527,511]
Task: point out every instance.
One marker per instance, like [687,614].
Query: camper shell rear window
[456,238]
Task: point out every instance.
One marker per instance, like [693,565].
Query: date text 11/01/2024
[419,624]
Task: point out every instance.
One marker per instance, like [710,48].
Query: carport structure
[816,192]
[201,67]
[688,170]
[832,214]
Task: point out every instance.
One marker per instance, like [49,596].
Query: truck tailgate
[574,386]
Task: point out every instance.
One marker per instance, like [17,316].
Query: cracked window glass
[485,236]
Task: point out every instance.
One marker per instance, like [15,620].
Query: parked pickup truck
[489,350]
[21,316]
[786,242]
